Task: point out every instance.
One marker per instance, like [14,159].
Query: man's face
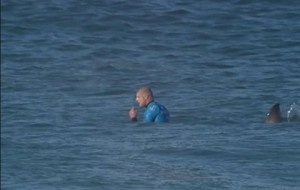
[141,98]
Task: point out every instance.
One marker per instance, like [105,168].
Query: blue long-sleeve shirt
[156,112]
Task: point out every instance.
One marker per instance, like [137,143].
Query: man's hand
[132,114]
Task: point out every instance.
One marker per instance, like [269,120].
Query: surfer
[154,111]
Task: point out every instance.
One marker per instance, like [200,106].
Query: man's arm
[151,113]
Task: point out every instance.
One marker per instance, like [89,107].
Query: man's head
[144,96]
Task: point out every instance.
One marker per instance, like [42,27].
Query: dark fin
[274,116]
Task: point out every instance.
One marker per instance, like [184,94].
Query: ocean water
[70,70]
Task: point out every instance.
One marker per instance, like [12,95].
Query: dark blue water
[70,69]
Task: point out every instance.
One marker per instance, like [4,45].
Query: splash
[294,113]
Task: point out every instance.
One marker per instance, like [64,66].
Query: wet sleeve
[151,113]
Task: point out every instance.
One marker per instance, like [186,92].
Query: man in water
[154,112]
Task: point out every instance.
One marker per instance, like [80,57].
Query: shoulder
[153,106]
[156,107]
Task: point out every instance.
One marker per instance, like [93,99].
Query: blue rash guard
[156,112]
